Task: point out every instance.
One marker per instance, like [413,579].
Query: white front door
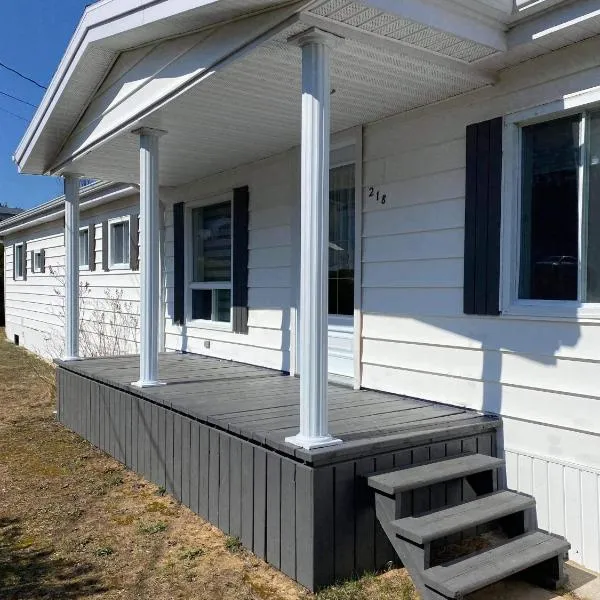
[342,243]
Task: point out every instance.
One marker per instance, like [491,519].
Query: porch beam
[314,231]
[448,17]
[71,188]
[149,257]
[388,44]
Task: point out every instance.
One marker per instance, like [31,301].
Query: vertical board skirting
[316,524]
[568,501]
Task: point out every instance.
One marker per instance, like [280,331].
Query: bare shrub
[107,326]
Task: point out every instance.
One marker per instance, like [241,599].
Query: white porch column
[149,257]
[71,182]
[314,233]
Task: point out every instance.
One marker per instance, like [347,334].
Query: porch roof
[221,78]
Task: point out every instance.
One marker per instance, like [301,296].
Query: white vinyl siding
[34,308]
[538,373]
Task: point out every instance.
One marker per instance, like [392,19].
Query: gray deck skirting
[309,514]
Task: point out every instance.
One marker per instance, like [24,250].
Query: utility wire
[14,114]
[23,76]
[17,99]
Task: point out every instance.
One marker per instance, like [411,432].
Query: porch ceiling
[252,108]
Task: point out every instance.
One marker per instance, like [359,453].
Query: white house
[460,229]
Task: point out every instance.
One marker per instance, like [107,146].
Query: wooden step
[446,521]
[414,477]
[461,577]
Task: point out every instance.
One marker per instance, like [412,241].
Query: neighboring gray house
[398,197]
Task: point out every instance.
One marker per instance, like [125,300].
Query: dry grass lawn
[75,524]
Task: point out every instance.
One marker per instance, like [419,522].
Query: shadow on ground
[27,572]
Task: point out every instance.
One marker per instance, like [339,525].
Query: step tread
[413,477]
[446,521]
[462,577]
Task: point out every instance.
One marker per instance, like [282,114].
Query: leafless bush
[107,326]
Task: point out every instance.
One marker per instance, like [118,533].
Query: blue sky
[33,37]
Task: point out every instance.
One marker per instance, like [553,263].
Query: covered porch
[214,437]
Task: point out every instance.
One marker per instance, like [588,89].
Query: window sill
[119,267]
[554,311]
[214,325]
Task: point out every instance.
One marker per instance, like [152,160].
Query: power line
[14,114]
[17,99]
[21,75]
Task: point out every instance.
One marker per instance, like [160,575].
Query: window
[84,248]
[341,240]
[18,261]
[211,262]
[559,214]
[38,261]
[119,243]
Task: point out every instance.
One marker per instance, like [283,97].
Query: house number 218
[377,195]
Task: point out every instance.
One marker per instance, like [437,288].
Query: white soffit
[410,32]
[251,109]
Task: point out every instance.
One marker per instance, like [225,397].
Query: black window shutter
[239,295]
[32,259]
[92,247]
[14,262]
[105,246]
[179,263]
[482,218]
[25,261]
[43,261]
[134,242]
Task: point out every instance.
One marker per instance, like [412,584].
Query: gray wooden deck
[262,406]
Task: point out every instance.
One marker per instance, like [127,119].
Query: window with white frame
[84,248]
[211,248]
[38,261]
[119,243]
[18,261]
[558,218]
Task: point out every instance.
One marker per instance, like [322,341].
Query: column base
[71,358]
[310,443]
[147,384]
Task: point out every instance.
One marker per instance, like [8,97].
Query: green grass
[233,544]
[191,553]
[152,528]
[104,551]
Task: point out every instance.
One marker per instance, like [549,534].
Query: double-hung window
[211,248]
[18,261]
[84,248]
[119,243]
[38,261]
[556,227]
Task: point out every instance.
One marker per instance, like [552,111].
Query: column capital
[149,131]
[314,35]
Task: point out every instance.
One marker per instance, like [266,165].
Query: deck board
[261,405]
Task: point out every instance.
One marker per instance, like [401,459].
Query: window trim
[191,285]
[21,276]
[113,266]
[510,303]
[85,266]
[36,254]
